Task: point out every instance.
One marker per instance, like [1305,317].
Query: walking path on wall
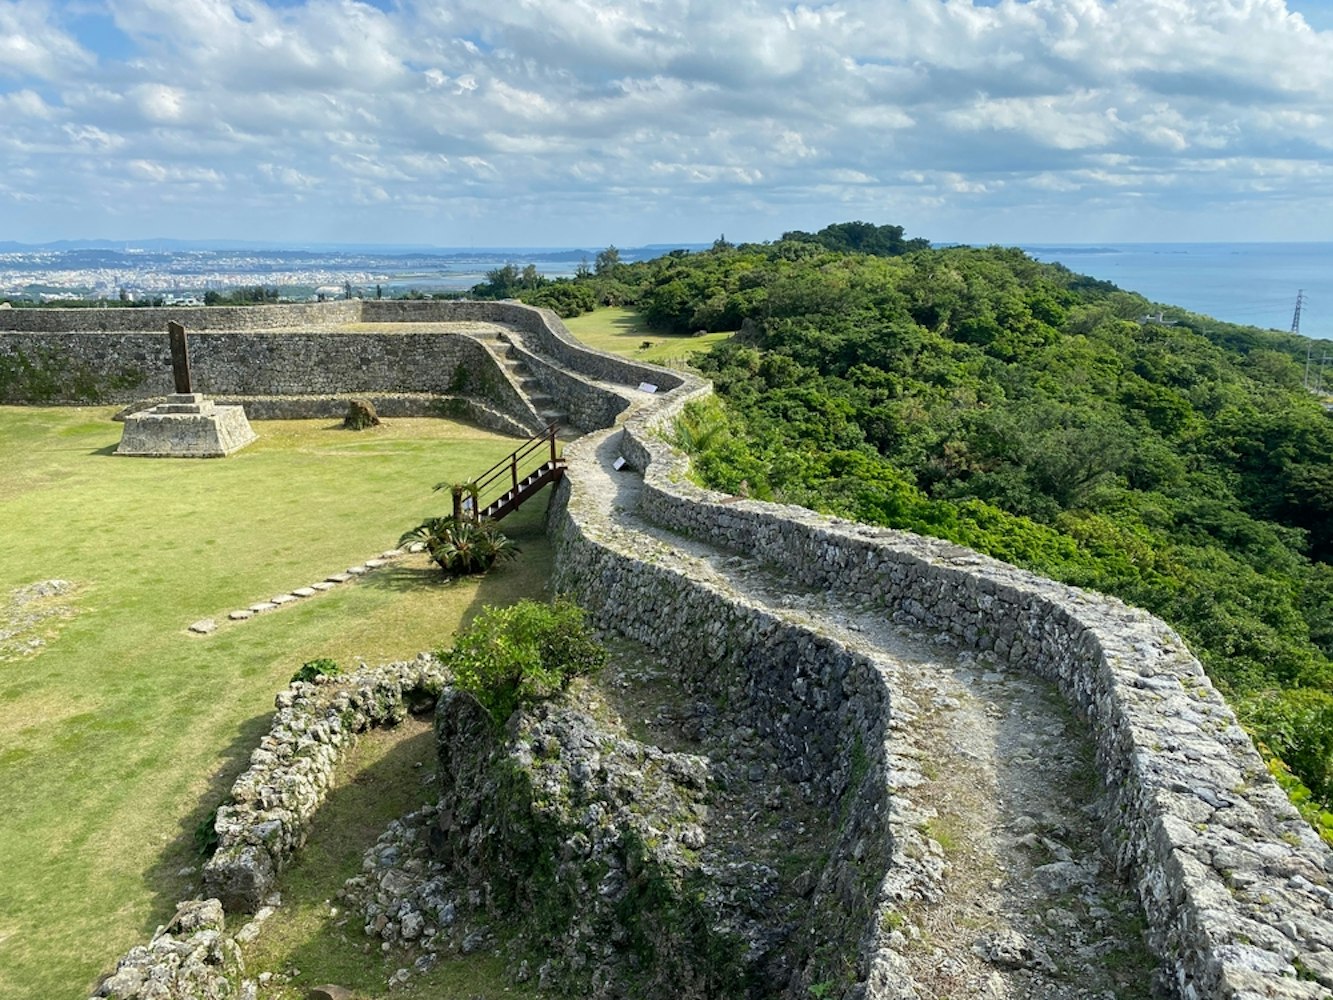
[1005,892]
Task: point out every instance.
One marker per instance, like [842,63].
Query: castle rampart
[1235,887]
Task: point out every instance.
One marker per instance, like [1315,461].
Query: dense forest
[1037,415]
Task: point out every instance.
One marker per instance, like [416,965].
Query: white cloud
[33,46]
[25,104]
[710,107]
[90,138]
[163,173]
[160,103]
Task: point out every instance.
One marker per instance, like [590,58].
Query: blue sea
[1251,283]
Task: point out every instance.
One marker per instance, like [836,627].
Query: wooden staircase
[506,485]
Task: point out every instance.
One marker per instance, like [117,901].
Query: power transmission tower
[1296,329]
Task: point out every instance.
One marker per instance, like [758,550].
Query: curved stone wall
[122,356]
[268,813]
[1234,884]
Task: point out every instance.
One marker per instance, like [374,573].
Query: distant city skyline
[591,122]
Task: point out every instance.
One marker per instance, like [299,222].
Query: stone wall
[122,356]
[1235,885]
[228,318]
[588,406]
[191,958]
[387,405]
[267,816]
[548,335]
[123,366]
[823,706]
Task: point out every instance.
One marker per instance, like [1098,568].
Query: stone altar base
[186,426]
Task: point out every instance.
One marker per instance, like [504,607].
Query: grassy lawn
[121,731]
[622,331]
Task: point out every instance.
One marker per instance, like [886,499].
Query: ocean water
[1250,283]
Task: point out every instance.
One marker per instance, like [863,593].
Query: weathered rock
[613,814]
[1185,781]
[189,959]
[360,415]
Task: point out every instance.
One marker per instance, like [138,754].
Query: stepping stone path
[207,625]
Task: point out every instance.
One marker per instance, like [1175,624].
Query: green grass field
[120,733]
[622,331]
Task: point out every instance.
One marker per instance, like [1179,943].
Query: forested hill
[1039,416]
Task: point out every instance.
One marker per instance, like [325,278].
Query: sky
[592,122]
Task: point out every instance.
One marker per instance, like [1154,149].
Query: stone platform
[186,426]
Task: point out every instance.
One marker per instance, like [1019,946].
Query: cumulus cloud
[615,116]
[33,46]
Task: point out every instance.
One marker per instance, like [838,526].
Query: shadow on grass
[526,529]
[167,886]
[400,578]
[630,324]
[108,450]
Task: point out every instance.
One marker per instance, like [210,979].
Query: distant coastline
[1247,283]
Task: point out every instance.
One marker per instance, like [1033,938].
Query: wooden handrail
[500,487]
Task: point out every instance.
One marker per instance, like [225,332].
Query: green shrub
[1297,725]
[522,654]
[462,547]
[322,667]
[206,835]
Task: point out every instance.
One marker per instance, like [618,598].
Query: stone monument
[187,425]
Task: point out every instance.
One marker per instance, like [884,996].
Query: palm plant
[462,547]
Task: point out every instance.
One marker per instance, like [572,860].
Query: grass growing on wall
[123,730]
[622,331]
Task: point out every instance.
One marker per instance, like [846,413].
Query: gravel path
[1005,893]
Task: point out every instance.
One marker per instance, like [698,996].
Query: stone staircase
[545,410]
[542,402]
